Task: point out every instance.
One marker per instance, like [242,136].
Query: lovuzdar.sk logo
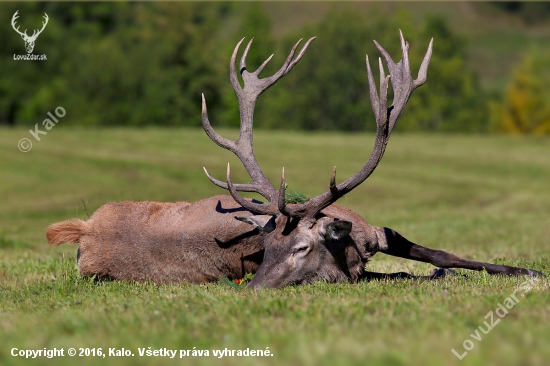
[29,40]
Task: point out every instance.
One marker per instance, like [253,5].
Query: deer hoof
[442,272]
[534,273]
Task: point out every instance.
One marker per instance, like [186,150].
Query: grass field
[486,198]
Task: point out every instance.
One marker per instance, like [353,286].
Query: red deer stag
[230,236]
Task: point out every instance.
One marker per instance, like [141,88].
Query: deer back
[170,242]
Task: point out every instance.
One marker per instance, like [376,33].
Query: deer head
[29,40]
[298,246]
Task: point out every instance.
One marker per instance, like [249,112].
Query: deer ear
[335,230]
[264,223]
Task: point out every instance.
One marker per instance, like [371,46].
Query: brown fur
[199,242]
[164,242]
[331,260]
[66,232]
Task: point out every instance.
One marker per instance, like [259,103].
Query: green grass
[485,198]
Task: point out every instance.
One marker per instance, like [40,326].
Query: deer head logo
[29,40]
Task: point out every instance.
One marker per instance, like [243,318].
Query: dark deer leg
[437,273]
[398,246]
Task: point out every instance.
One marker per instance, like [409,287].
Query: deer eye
[301,249]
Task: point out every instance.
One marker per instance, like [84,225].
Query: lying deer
[230,236]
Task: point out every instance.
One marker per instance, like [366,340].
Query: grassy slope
[481,197]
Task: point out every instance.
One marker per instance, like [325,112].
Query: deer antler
[36,32]
[403,86]
[242,147]
[13,21]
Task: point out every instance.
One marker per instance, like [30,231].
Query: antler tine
[403,86]
[233,69]
[332,185]
[300,55]
[282,195]
[46,18]
[382,72]
[240,187]
[214,136]
[423,72]
[14,20]
[288,64]
[379,104]
[293,210]
[385,54]
[263,208]
[242,65]
[261,68]
[405,54]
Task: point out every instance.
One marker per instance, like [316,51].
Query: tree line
[140,64]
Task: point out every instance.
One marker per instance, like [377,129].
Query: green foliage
[329,89]
[114,63]
[525,108]
[144,64]
[528,11]
[237,284]
[294,196]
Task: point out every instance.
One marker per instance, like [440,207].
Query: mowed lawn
[485,198]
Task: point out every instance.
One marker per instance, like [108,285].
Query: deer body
[164,242]
[206,240]
[192,242]
[283,243]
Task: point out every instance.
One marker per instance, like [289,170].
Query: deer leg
[437,273]
[392,243]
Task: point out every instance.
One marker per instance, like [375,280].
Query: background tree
[143,64]
[329,89]
[525,108]
[527,11]
[113,63]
